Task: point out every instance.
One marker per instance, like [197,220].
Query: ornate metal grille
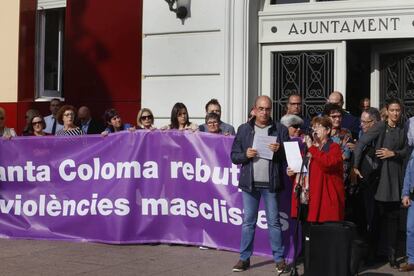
[397,80]
[309,74]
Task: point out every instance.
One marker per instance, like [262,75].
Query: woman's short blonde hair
[139,116]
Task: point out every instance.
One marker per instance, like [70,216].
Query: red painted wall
[26,69]
[103,55]
[102,58]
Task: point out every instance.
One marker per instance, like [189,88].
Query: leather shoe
[406,268]
[392,261]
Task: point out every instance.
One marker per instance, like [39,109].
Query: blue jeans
[410,233]
[251,208]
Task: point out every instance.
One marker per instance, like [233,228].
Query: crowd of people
[357,169]
[66,120]
[354,169]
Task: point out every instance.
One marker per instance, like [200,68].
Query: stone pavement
[29,257]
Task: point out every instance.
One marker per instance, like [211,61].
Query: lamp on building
[181,7]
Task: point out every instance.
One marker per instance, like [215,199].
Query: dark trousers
[386,223]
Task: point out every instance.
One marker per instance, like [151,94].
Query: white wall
[204,57]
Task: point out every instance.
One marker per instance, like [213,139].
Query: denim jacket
[408,186]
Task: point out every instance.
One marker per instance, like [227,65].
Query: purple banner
[129,187]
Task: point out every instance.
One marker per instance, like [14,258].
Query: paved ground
[27,257]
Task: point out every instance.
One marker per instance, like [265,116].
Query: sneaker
[281,266]
[241,266]
[203,248]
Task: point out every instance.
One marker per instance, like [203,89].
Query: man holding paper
[257,148]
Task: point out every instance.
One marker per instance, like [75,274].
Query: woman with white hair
[294,124]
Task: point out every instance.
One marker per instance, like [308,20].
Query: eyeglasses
[295,126]
[264,109]
[295,103]
[212,123]
[36,123]
[148,117]
[69,114]
[116,117]
[366,122]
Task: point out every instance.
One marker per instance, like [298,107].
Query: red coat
[326,186]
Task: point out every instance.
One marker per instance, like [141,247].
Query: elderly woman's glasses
[295,126]
[71,114]
[211,123]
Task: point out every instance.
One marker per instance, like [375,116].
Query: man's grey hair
[290,120]
[373,113]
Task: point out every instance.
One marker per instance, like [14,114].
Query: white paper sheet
[261,144]
[293,156]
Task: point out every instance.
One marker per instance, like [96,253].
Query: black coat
[244,140]
[95,127]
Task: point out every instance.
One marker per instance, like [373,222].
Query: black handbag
[371,164]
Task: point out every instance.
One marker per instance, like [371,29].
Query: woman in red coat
[322,194]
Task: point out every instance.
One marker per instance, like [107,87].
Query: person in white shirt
[52,125]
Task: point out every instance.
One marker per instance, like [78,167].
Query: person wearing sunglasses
[145,119]
[30,114]
[294,124]
[66,116]
[5,132]
[37,126]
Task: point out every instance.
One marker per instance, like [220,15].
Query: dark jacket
[95,127]
[351,122]
[244,140]
[391,170]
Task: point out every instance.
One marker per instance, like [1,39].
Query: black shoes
[244,265]
[393,261]
[241,265]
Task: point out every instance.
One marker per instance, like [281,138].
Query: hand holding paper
[265,145]
[274,147]
[293,156]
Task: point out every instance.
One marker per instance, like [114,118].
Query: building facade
[83,52]
[235,50]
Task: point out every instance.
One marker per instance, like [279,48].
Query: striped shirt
[70,132]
